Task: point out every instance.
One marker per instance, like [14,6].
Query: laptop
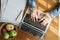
[33,28]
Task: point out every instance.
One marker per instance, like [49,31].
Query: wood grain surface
[52,32]
[46,5]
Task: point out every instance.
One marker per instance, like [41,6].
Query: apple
[9,27]
[6,35]
[12,33]
[3,30]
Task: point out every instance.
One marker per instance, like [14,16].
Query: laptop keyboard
[36,24]
[34,28]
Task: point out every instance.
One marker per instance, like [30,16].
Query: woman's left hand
[45,19]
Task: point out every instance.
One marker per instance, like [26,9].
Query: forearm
[31,3]
[55,12]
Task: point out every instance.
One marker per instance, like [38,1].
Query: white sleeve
[59,1]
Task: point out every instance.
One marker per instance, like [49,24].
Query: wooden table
[22,35]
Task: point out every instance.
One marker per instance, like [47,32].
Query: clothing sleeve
[55,11]
[31,3]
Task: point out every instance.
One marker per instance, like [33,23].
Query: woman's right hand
[33,15]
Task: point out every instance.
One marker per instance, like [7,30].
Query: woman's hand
[42,18]
[33,15]
[45,19]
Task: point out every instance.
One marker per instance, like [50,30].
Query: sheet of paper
[13,8]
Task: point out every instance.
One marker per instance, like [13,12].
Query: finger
[34,19]
[44,22]
[42,19]
[31,18]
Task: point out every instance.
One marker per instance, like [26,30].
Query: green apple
[12,33]
[5,35]
[9,27]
